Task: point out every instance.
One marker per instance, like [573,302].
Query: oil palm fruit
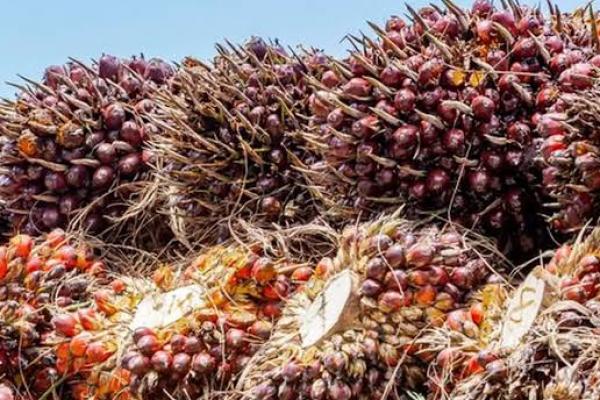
[231,141]
[72,144]
[351,331]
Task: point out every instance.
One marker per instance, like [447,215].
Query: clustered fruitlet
[445,113]
[232,137]
[36,278]
[409,279]
[72,141]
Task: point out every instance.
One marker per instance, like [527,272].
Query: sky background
[38,33]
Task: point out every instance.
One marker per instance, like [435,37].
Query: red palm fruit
[261,329]
[324,267]
[118,286]
[419,255]
[56,238]
[181,363]
[357,87]
[456,320]
[203,363]
[138,364]
[161,361]
[235,338]
[425,295]
[79,344]
[178,343]
[104,302]
[89,319]
[477,313]
[148,345]
[22,245]
[67,255]
[192,345]
[483,108]
[263,270]
[65,324]
[302,274]
[97,352]
[3,262]
[391,301]
[473,366]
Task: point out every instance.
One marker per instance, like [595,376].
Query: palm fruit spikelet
[444,112]
[38,277]
[74,143]
[231,142]
[136,343]
[556,356]
[351,331]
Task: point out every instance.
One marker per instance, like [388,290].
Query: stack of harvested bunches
[485,117]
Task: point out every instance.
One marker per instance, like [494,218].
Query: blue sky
[37,33]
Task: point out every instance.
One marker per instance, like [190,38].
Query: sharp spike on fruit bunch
[233,142]
[543,345]
[178,335]
[38,277]
[444,113]
[351,331]
[71,144]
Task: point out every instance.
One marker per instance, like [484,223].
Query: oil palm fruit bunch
[351,331]
[231,140]
[178,334]
[570,150]
[38,276]
[74,142]
[444,111]
[544,345]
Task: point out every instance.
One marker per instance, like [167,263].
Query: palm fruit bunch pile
[176,335]
[351,331]
[37,277]
[447,113]
[541,342]
[231,141]
[74,142]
